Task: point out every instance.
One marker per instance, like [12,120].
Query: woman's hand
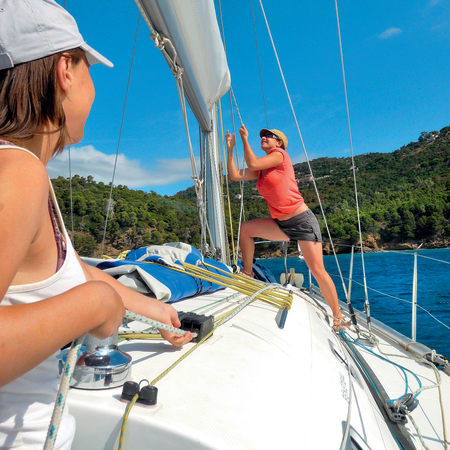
[170,316]
[243,132]
[230,140]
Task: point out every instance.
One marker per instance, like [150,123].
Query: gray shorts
[302,227]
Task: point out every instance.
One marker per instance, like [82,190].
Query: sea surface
[389,278]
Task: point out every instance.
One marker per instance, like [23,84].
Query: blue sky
[397,58]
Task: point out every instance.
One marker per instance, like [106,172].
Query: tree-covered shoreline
[403,198]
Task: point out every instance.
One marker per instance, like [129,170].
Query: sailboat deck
[253,385]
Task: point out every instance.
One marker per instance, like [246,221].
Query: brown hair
[30,98]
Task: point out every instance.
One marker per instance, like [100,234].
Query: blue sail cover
[150,268]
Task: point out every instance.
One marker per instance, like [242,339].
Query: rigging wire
[109,206]
[303,144]
[366,295]
[72,237]
[241,211]
[259,64]
[397,298]
[198,183]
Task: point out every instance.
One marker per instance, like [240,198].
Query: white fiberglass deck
[253,386]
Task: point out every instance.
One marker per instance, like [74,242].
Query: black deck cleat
[129,390]
[196,323]
[148,395]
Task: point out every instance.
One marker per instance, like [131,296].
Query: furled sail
[191,26]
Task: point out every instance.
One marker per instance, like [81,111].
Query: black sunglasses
[271,135]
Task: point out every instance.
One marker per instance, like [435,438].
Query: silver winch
[102,365]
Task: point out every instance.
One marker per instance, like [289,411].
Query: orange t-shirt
[278,187]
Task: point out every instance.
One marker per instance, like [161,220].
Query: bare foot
[339,323]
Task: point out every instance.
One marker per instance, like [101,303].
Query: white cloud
[388,33]
[89,161]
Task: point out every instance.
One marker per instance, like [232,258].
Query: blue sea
[392,273]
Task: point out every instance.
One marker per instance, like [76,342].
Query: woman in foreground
[290,216]
[48,296]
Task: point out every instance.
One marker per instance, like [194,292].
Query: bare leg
[263,228]
[312,251]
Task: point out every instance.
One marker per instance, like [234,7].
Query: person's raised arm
[233,172]
[254,163]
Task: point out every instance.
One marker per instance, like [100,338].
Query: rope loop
[158,40]
[178,71]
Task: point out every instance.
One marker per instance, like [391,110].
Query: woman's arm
[141,304]
[30,333]
[233,173]
[253,162]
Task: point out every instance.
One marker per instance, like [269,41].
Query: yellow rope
[124,254]
[241,283]
[237,282]
[227,185]
[139,336]
[124,420]
[244,285]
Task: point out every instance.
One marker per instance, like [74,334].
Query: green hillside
[403,199]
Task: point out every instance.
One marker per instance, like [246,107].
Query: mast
[195,54]
[213,187]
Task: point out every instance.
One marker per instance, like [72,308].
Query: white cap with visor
[34,29]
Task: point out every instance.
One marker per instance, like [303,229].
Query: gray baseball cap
[33,29]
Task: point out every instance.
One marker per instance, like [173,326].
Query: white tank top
[26,404]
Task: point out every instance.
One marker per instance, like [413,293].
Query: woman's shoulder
[20,170]
[279,150]
[284,154]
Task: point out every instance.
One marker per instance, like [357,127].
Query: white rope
[242,181]
[154,323]
[419,434]
[303,144]
[441,402]
[343,445]
[235,104]
[61,396]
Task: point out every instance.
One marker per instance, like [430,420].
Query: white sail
[191,26]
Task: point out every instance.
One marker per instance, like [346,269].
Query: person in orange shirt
[290,216]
